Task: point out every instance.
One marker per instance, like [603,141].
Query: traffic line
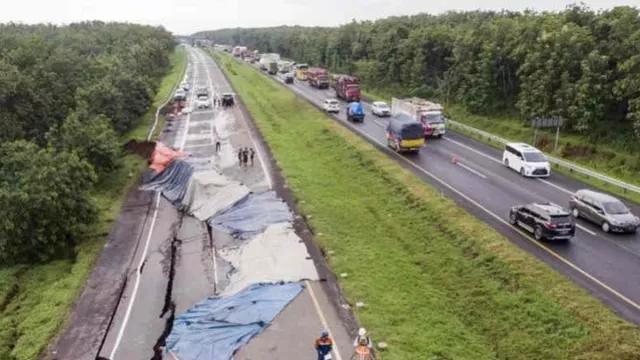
[323,319]
[143,258]
[471,170]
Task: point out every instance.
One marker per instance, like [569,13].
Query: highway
[607,265]
[178,263]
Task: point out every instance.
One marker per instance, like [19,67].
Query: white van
[526,160]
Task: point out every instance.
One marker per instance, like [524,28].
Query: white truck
[427,112]
[265,59]
[284,66]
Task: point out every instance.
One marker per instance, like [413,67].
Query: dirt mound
[142,148]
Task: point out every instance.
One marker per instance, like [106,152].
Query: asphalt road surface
[607,265]
[179,261]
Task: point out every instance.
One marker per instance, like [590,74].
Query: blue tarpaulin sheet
[251,215]
[172,181]
[216,327]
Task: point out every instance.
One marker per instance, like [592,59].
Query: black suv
[546,221]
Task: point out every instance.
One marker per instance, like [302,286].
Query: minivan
[525,159]
[603,210]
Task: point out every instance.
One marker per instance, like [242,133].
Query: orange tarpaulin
[162,155]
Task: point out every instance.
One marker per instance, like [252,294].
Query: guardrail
[558,162]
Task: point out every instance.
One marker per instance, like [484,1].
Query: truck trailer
[424,111]
[346,87]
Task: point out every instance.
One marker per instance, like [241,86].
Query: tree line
[578,64]
[67,94]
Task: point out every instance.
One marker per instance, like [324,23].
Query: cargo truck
[424,111]
[272,68]
[318,78]
[346,87]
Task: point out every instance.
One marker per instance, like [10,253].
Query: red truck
[347,87]
[318,78]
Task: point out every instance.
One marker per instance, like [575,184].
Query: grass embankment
[577,149]
[437,282]
[35,300]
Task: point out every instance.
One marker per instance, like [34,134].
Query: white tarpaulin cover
[210,192]
[275,255]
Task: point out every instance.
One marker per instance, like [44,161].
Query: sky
[184,17]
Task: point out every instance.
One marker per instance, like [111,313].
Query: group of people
[218,101]
[244,155]
[324,344]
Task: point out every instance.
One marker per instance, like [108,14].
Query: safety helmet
[362,332]
[325,333]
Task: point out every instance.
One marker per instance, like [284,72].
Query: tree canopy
[66,94]
[579,64]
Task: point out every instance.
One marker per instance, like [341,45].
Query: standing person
[362,339]
[240,157]
[217,144]
[245,156]
[252,153]
[323,345]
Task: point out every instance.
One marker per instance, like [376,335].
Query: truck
[318,78]
[346,87]
[238,51]
[355,112]
[427,112]
[301,72]
[272,67]
[284,67]
[265,59]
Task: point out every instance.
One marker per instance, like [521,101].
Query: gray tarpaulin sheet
[216,327]
[172,181]
[252,215]
[210,192]
[278,254]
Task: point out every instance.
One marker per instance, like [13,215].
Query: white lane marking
[471,170]
[586,230]
[214,250]
[379,123]
[323,319]
[134,294]
[137,283]
[556,186]
[498,218]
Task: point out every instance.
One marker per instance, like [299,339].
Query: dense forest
[579,64]
[66,95]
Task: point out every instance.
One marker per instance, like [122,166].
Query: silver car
[604,210]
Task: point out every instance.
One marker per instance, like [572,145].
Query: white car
[380,108]
[331,105]
[185,86]
[525,159]
[203,102]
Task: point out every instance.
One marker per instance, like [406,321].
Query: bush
[45,201]
[92,137]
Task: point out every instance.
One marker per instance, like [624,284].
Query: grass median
[35,300]
[436,282]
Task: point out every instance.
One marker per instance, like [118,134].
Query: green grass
[437,283]
[35,300]
[576,149]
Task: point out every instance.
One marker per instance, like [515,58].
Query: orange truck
[318,78]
